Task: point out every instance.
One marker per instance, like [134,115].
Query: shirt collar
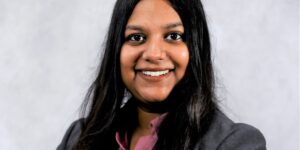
[153,125]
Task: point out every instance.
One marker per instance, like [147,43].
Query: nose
[154,50]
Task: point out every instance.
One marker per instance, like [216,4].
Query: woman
[157,55]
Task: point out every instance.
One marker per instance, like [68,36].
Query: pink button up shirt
[145,142]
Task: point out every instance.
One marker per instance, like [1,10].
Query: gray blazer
[223,134]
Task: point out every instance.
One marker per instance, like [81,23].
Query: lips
[155,73]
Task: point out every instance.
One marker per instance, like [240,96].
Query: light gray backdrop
[49,51]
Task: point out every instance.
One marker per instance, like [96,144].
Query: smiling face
[154,56]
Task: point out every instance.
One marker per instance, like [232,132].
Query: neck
[154,107]
[144,119]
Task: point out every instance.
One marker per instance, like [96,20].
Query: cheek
[127,63]
[124,65]
[123,58]
[128,55]
[185,57]
[182,59]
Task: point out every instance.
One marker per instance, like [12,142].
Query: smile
[155,73]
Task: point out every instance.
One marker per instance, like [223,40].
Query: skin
[153,43]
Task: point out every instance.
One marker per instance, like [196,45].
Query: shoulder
[72,135]
[224,134]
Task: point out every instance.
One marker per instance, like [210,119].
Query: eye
[174,36]
[136,38]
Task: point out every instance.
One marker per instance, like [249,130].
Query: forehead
[153,12]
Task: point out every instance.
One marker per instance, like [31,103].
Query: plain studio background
[49,51]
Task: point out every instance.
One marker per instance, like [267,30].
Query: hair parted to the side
[193,97]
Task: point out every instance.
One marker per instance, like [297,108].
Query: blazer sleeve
[71,136]
[243,137]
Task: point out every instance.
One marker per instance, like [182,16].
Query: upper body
[223,134]
[159,52]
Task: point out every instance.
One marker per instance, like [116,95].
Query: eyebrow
[134,27]
[173,25]
[140,28]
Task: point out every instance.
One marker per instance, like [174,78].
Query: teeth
[155,73]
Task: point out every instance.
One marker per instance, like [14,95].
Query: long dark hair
[192,99]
